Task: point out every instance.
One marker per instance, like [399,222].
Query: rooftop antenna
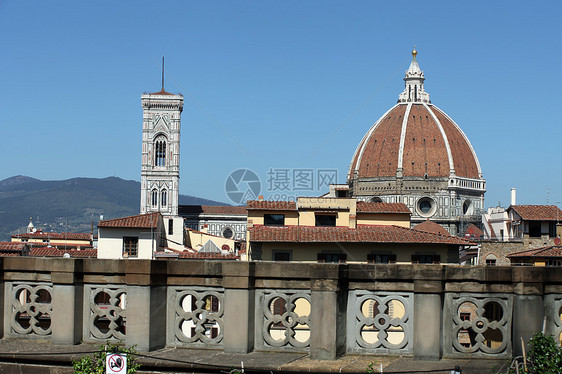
[162,73]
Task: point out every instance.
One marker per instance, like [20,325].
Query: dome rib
[403,138]
[465,159]
[445,139]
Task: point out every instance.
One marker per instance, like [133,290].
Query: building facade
[343,230]
[417,155]
[220,220]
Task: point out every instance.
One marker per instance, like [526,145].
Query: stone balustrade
[424,311]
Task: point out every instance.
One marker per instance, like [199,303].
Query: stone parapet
[327,310]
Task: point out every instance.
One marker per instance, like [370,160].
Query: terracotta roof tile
[550,251]
[537,212]
[424,149]
[271,205]
[55,235]
[207,256]
[362,234]
[366,207]
[54,252]
[432,227]
[11,246]
[473,231]
[142,221]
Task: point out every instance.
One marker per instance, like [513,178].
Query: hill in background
[69,205]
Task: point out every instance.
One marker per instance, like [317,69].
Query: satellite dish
[66,255]
[557,241]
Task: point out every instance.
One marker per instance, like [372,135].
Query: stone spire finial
[414,91]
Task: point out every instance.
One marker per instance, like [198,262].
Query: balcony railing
[325,310]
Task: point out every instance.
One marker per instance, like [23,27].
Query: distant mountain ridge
[70,205]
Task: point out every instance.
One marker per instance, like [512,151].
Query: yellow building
[341,230]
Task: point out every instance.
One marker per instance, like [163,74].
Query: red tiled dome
[428,142]
[414,139]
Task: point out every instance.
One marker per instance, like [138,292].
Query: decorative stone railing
[424,311]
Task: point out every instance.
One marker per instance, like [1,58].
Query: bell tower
[160,172]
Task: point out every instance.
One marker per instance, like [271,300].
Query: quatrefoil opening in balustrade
[287,320]
[199,316]
[479,327]
[107,313]
[382,323]
[31,309]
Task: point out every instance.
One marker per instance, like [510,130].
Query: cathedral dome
[414,139]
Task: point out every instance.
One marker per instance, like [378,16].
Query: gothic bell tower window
[164,198]
[160,151]
[154,200]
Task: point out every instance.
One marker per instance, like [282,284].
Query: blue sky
[296,84]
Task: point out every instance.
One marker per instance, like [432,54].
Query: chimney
[513,201]
[260,198]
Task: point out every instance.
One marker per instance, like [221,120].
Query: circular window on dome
[227,232]
[376,200]
[467,208]
[426,206]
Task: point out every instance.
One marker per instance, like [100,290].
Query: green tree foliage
[545,356]
[95,364]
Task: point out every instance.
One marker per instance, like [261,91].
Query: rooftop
[362,234]
[537,212]
[143,221]
[271,205]
[55,235]
[365,207]
[432,227]
[553,251]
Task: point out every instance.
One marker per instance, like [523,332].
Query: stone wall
[501,249]
[326,310]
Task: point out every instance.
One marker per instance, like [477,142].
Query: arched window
[164,198]
[160,151]
[154,199]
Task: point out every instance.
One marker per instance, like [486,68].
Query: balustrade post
[2,286]
[146,304]
[67,300]
[239,301]
[528,307]
[328,313]
[428,317]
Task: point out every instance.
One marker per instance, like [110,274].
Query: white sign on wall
[116,363]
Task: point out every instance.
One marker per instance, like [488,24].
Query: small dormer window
[274,219]
[325,220]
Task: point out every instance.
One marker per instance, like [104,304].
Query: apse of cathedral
[417,155]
